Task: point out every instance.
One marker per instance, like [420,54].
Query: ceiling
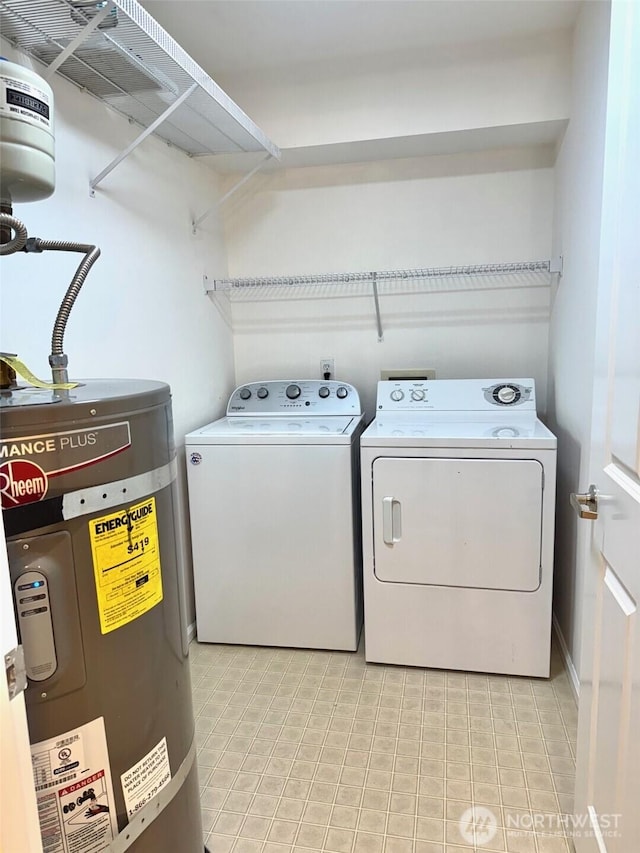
[239,37]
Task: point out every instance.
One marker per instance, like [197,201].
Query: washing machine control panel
[308,396]
[455,395]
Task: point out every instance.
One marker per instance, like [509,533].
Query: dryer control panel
[456,395]
[306,396]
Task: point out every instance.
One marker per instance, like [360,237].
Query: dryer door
[474,523]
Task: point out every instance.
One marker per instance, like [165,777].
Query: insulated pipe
[58,360]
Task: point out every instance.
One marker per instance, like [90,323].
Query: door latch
[16,671]
[586,505]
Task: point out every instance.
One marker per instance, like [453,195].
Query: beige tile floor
[303,750]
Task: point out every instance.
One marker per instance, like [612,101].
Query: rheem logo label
[21,482]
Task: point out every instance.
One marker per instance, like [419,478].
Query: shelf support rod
[376,301]
[84,34]
[229,193]
[146,132]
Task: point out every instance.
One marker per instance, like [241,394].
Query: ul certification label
[74,791]
[146,778]
[126,564]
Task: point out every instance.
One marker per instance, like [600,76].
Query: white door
[608,760]
[19,829]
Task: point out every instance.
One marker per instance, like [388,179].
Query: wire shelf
[131,63]
[452,279]
[524,274]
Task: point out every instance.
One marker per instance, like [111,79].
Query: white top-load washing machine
[275,517]
[458,496]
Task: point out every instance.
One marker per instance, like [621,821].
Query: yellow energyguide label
[126,564]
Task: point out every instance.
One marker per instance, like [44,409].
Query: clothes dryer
[458,496]
[275,517]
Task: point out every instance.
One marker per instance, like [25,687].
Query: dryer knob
[323,392]
[293,391]
[245,393]
[507,394]
[417,394]
[262,393]
[342,392]
[397,395]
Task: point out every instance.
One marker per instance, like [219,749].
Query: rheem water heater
[87,485]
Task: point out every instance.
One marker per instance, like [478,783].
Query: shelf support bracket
[84,34]
[147,132]
[376,302]
[196,222]
[555,265]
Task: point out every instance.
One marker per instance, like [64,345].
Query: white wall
[572,330]
[461,209]
[142,312]
[437,89]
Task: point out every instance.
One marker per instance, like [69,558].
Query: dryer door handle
[391,520]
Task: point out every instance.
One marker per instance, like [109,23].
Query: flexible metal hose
[16,243]
[91,255]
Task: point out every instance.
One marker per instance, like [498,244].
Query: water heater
[87,486]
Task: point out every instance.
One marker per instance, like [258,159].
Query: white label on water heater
[23,101]
[146,778]
[74,790]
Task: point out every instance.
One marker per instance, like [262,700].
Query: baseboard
[574,681]
[191,632]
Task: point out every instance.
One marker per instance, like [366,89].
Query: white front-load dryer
[275,517]
[458,496]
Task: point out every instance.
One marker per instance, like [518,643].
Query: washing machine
[458,494]
[274,495]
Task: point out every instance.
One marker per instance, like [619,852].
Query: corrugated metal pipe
[58,360]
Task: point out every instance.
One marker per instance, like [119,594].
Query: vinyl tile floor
[303,751]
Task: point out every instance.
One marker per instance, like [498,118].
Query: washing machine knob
[324,391]
[245,393]
[397,395]
[293,391]
[342,392]
[417,394]
[262,393]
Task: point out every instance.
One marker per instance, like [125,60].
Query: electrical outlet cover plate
[327,365]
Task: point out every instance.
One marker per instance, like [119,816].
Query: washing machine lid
[504,430]
[276,430]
